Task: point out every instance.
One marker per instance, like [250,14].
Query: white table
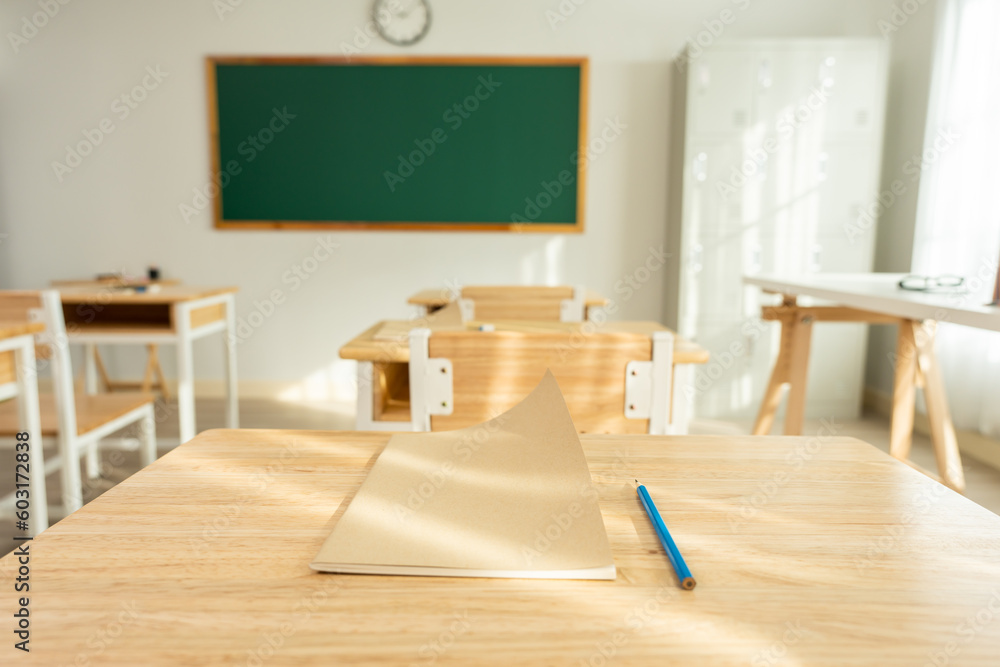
[873,298]
[174,315]
[20,381]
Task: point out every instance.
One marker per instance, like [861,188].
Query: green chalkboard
[380,143]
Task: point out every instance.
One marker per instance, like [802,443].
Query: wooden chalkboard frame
[577,227]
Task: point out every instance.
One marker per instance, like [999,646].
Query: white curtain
[958,217]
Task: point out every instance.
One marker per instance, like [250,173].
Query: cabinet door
[853,78]
[718,201]
[786,87]
[721,92]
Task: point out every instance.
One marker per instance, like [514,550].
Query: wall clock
[402,22]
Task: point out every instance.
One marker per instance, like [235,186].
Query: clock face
[402,22]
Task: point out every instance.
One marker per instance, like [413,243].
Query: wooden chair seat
[91,411]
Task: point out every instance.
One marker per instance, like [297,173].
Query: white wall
[119,208]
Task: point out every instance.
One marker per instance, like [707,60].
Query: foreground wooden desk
[852,559]
[175,314]
[874,298]
[18,380]
[383,372]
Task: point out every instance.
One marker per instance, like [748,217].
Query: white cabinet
[780,144]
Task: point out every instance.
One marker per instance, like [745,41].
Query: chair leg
[93,461]
[147,437]
[69,471]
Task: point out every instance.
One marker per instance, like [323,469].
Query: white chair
[613,382]
[563,304]
[80,423]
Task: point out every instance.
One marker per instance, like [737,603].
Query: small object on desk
[673,553]
[153,272]
[944,283]
[487,327]
[139,289]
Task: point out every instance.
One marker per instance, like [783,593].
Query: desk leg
[185,373]
[229,342]
[949,460]
[903,391]
[30,421]
[779,377]
[798,367]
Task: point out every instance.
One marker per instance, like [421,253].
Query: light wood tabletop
[365,347]
[435,298]
[94,293]
[815,551]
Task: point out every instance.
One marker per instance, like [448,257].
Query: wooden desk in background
[174,315]
[18,379]
[854,559]
[873,298]
[383,371]
[430,300]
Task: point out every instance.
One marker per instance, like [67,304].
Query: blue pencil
[676,559]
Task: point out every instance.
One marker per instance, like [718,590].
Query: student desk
[18,379]
[202,558]
[430,300]
[874,298]
[175,314]
[383,371]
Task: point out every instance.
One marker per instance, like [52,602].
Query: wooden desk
[175,314]
[873,298]
[429,300]
[851,558]
[383,373]
[18,379]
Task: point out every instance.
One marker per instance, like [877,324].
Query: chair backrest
[612,382]
[520,302]
[52,344]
